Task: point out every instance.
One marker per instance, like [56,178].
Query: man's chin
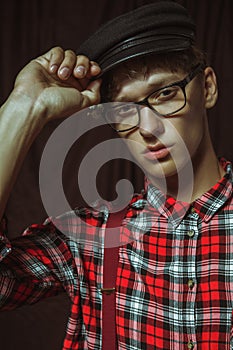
[161,169]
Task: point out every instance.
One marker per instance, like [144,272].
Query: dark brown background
[31,27]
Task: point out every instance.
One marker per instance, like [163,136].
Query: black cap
[155,28]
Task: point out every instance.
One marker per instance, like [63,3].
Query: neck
[203,179]
[196,178]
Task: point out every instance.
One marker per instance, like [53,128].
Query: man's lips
[156,152]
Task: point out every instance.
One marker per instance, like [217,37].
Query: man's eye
[124,110]
[165,94]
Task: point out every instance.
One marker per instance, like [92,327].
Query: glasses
[170,99]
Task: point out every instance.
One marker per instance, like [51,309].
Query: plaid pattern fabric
[174,286]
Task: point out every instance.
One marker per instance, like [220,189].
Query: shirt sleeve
[5,246]
[34,266]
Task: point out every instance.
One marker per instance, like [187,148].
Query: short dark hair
[184,61]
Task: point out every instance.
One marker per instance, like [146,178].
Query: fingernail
[64,72]
[81,70]
[53,68]
[95,68]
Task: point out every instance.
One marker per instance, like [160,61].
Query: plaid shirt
[174,286]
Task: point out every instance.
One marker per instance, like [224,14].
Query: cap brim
[163,45]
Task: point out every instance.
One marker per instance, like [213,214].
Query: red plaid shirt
[174,287]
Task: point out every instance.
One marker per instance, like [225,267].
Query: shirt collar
[206,206]
[166,205]
[213,200]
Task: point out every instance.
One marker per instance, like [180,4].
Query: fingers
[92,93]
[85,68]
[65,64]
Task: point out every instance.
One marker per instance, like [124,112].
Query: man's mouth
[156,152]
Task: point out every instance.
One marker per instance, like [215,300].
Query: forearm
[18,128]
[41,94]
[29,272]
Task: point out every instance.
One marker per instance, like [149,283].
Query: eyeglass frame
[182,84]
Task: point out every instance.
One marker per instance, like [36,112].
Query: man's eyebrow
[155,85]
[165,81]
[158,84]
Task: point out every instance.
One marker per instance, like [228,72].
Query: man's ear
[211,89]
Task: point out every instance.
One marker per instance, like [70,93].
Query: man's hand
[59,83]
[54,85]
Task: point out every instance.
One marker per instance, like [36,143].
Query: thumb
[92,93]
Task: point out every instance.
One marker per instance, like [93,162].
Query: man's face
[164,145]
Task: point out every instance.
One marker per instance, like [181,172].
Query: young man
[174,281]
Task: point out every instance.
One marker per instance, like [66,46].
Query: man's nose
[150,123]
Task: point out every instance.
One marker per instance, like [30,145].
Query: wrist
[26,109]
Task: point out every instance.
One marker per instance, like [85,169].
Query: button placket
[191,283]
[190,344]
[192,234]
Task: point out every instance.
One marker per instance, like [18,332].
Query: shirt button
[190,345]
[191,233]
[190,283]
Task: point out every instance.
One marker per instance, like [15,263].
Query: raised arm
[54,85]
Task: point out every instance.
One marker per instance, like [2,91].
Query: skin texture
[63,85]
[174,141]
